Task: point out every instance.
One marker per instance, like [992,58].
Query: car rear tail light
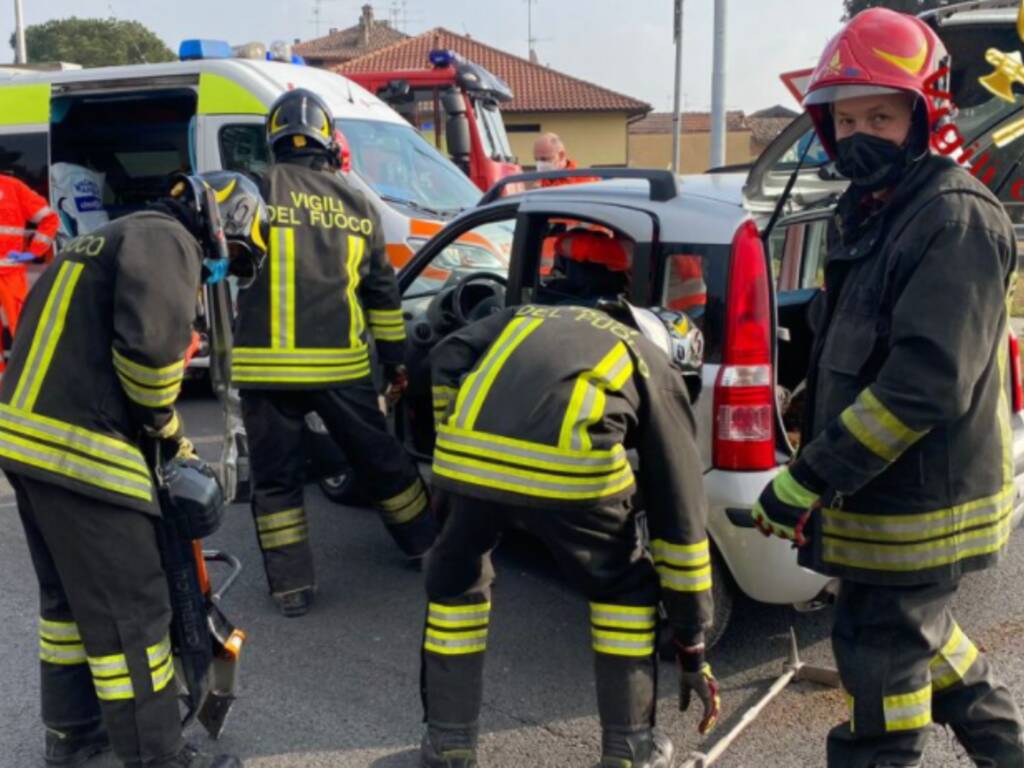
[744,399]
[1015,383]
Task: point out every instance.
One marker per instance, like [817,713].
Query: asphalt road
[339,687]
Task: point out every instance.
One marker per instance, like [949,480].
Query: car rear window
[693,278]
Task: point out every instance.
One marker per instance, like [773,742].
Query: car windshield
[403,168]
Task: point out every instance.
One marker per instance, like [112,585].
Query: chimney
[533,57]
[297,41]
[332,30]
[366,24]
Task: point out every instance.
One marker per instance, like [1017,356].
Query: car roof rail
[944,12]
[663,183]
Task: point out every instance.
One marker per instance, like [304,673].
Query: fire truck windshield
[402,167]
[492,131]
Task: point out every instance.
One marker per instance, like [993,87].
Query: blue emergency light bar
[441,57]
[191,50]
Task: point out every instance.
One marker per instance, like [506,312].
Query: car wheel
[723,593]
[341,488]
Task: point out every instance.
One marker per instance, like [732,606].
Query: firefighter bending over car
[530,437]
[95,371]
[301,345]
[905,479]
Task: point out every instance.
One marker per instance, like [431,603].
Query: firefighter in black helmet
[302,345]
[532,438]
[95,371]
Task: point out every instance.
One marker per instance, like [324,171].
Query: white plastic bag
[77,193]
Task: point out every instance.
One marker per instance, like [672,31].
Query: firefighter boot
[190,757]
[295,603]
[449,747]
[639,749]
[75,746]
[416,537]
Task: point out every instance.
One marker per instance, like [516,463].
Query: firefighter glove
[397,377]
[785,505]
[696,677]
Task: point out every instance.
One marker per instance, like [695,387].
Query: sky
[625,45]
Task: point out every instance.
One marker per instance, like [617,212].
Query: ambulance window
[135,140]
[244,148]
[23,155]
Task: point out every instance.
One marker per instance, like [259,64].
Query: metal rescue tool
[793,669]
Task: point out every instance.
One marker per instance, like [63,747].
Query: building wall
[590,138]
[654,150]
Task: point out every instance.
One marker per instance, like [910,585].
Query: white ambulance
[100,143]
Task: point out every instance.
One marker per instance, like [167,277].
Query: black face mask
[871,163]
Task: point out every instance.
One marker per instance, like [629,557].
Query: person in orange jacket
[549,155]
[28,227]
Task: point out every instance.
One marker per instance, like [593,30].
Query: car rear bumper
[764,568]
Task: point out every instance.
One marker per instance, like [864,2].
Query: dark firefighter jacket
[537,406]
[99,356]
[908,422]
[303,323]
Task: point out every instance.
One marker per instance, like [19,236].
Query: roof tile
[536,88]
[692,122]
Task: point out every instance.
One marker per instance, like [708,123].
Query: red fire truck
[454,104]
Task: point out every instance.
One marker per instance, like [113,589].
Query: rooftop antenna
[531,41]
[318,11]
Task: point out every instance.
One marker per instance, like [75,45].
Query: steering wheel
[478,295]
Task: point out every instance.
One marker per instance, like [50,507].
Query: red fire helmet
[879,51]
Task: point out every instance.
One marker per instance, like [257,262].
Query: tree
[853,7]
[94,42]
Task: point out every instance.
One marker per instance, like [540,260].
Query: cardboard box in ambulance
[101,142]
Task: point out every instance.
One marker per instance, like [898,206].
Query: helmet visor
[834,93]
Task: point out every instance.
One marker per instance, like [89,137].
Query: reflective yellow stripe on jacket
[533,469]
[76,453]
[299,366]
[920,541]
[474,390]
[682,567]
[386,324]
[356,250]
[877,428]
[47,334]
[587,403]
[149,386]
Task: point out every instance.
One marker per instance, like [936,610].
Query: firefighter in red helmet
[904,482]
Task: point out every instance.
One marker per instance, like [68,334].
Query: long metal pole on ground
[20,56]
[676,119]
[718,118]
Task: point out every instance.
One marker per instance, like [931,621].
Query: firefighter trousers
[601,555]
[274,422]
[905,663]
[105,616]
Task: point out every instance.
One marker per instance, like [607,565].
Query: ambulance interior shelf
[135,142]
